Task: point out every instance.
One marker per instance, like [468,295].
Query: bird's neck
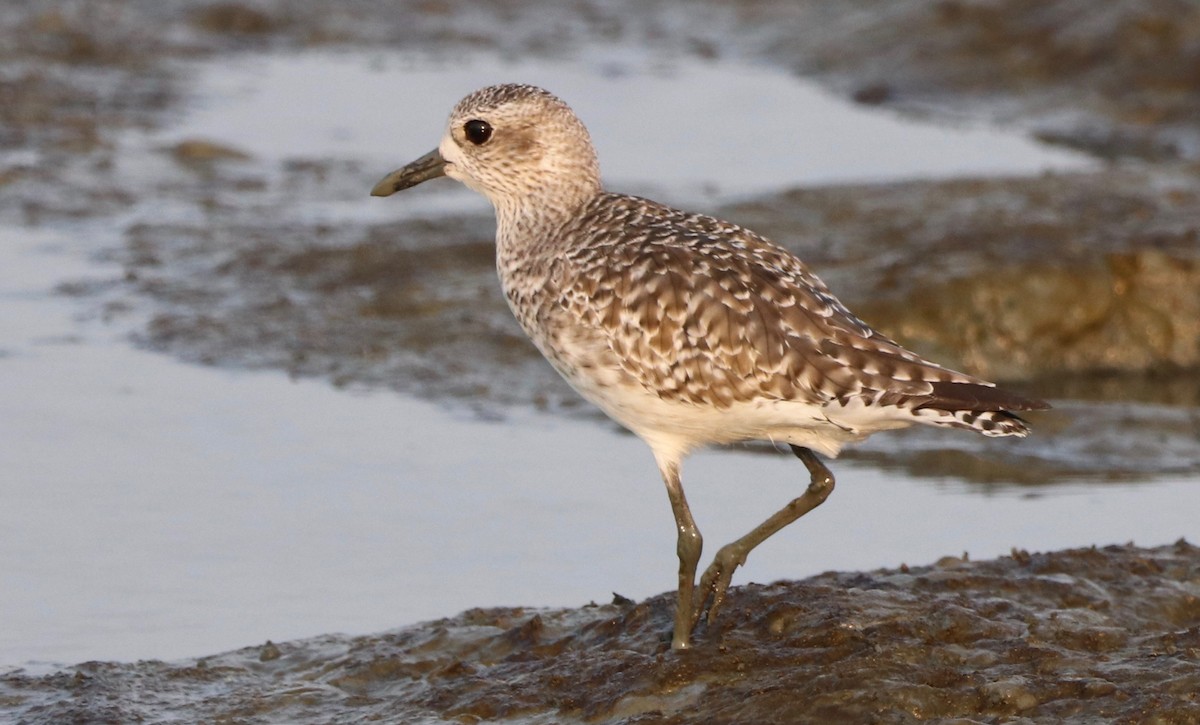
[526,224]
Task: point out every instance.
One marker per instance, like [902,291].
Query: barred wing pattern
[701,311]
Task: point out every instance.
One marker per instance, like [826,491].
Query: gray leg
[688,547]
[715,581]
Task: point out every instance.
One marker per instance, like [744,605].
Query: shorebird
[685,329]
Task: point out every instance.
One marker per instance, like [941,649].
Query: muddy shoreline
[1075,636]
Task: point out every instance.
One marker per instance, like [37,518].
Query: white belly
[671,425]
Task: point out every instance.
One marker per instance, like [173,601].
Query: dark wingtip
[972,396]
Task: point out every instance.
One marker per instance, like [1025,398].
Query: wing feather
[704,311]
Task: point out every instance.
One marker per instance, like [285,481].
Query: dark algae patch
[1086,635]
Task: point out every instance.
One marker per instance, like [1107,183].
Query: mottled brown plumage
[705,312]
[686,329]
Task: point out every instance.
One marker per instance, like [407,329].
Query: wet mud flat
[1083,288]
[1101,634]
[1119,80]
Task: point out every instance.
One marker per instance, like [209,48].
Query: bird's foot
[714,584]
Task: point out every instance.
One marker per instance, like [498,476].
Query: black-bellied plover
[683,328]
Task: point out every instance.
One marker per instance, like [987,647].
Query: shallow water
[683,127]
[155,509]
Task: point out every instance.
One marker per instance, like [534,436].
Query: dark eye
[478,132]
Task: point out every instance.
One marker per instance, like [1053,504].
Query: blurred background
[242,400]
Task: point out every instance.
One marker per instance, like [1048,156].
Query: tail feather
[980,408]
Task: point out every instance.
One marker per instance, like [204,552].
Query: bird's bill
[429,166]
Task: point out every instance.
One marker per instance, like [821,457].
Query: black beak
[429,166]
